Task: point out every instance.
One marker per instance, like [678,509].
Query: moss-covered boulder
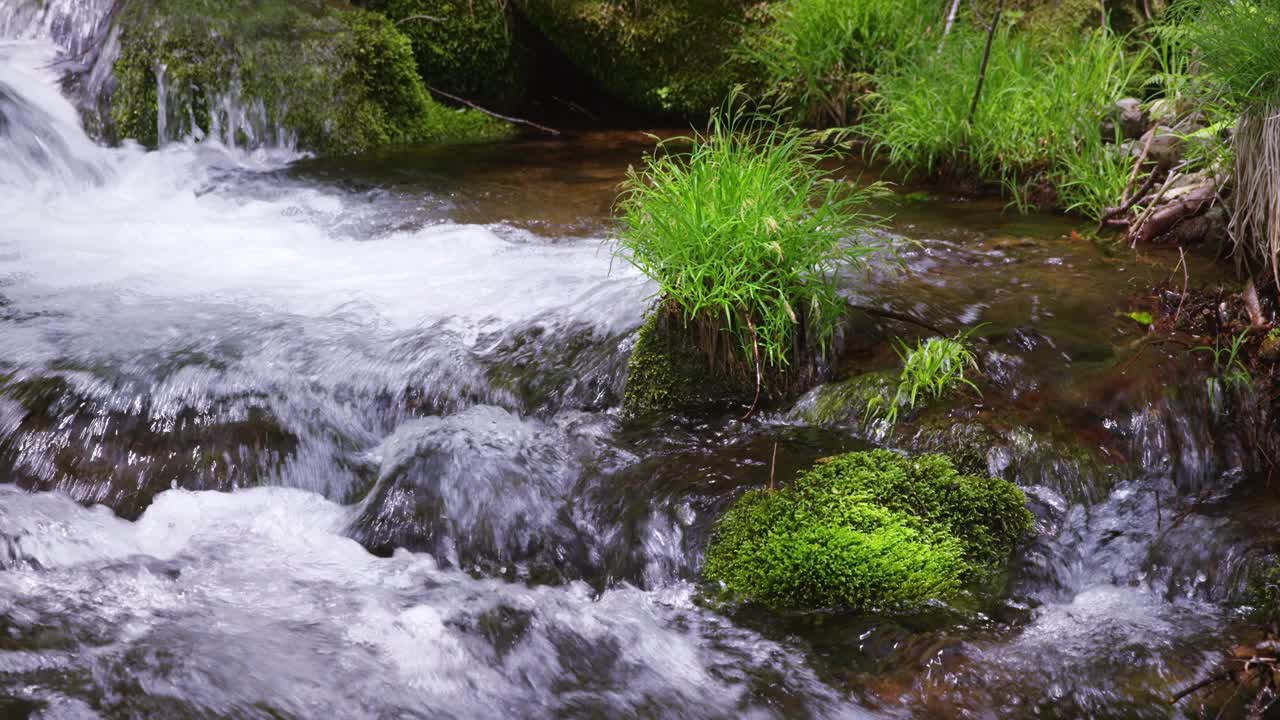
[669,57]
[667,374]
[846,402]
[470,48]
[867,530]
[258,73]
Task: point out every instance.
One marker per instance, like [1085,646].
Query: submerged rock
[275,72]
[867,530]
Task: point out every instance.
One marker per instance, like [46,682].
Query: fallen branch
[899,317]
[1159,222]
[419,17]
[1112,213]
[490,113]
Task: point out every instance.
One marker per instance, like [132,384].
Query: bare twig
[1211,680]
[899,317]
[755,350]
[486,111]
[1186,280]
[419,17]
[986,57]
[773,464]
[951,17]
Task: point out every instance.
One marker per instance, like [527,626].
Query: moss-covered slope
[253,73]
[671,57]
[470,48]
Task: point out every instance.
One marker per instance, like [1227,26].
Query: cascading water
[420,357]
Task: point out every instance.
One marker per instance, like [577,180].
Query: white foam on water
[237,602]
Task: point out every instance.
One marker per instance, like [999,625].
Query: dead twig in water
[490,113]
[755,350]
[773,464]
[899,317]
[419,17]
[1186,280]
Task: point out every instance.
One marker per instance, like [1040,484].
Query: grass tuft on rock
[867,530]
[744,231]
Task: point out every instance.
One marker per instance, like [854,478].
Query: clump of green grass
[1236,40]
[820,54]
[1229,370]
[867,530]
[744,231]
[1037,124]
[930,370]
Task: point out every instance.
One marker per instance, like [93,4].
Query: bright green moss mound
[867,530]
[336,82]
[672,57]
[470,48]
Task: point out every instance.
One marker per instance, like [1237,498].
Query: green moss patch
[867,530]
[667,373]
[336,82]
[672,57]
[471,48]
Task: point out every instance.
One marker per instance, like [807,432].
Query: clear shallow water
[421,353]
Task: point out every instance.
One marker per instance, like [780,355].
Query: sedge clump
[744,231]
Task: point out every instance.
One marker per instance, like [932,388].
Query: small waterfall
[41,141]
[76,26]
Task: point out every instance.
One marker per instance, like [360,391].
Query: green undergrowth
[743,231]
[335,82]
[469,48]
[664,57]
[1036,128]
[1236,46]
[821,55]
[867,530]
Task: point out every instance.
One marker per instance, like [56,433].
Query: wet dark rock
[1270,348]
[1129,117]
[479,488]
[115,445]
[1166,146]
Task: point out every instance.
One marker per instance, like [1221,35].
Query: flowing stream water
[283,437]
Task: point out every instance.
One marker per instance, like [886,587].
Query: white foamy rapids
[72,24]
[250,604]
[118,253]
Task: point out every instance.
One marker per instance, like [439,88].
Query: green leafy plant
[822,54]
[1228,366]
[929,370]
[1142,317]
[867,530]
[743,231]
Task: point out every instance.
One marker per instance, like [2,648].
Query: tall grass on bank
[820,54]
[1037,125]
[1237,41]
[744,231]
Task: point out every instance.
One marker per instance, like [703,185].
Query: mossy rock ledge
[867,531]
[668,375]
[471,48]
[264,72]
[664,57]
